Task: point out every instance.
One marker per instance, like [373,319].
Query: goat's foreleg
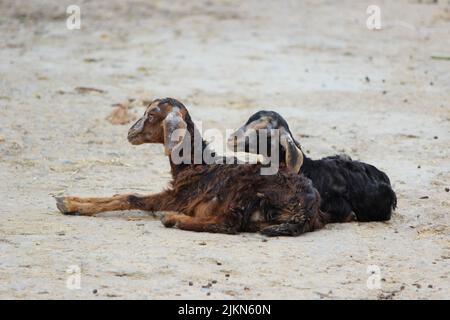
[295,226]
[213,224]
[92,206]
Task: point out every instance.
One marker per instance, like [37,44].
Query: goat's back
[346,185]
[242,187]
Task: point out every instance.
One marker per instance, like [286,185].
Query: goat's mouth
[134,138]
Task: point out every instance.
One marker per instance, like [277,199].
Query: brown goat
[222,198]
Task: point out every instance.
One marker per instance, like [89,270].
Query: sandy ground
[225,61]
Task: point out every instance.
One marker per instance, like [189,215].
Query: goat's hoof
[284,229]
[277,230]
[269,232]
[60,204]
[168,221]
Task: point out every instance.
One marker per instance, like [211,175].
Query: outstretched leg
[92,206]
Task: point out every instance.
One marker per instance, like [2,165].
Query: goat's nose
[136,128]
[131,133]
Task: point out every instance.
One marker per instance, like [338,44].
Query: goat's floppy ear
[174,131]
[294,156]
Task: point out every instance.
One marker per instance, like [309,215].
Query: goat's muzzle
[132,138]
[135,132]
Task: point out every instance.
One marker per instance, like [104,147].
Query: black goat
[345,185]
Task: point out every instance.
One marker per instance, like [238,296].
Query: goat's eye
[149,117]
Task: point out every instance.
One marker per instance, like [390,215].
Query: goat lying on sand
[223,198]
[345,185]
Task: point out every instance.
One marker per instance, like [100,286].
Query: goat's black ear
[294,156]
[174,131]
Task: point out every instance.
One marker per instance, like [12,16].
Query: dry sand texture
[376,95]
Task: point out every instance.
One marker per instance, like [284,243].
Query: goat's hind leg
[92,206]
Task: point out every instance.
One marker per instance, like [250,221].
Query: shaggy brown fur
[212,198]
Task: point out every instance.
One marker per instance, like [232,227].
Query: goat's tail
[383,203]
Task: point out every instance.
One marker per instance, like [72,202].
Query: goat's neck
[307,164]
[197,143]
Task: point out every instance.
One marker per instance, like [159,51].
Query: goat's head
[248,135]
[164,122]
